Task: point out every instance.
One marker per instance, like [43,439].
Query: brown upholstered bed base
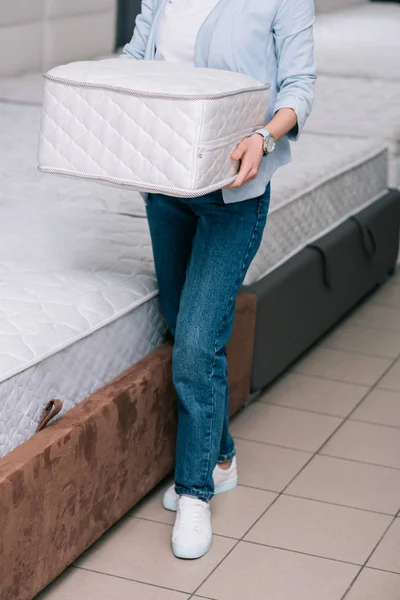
[61,490]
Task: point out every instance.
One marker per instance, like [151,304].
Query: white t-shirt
[177,32]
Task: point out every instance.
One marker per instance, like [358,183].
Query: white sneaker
[225,480]
[192,533]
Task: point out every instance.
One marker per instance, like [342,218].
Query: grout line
[326,346]
[360,462]
[338,560]
[216,567]
[309,452]
[373,512]
[154,585]
[367,560]
[307,410]
[375,423]
[383,570]
[218,535]
[335,379]
[388,389]
[356,406]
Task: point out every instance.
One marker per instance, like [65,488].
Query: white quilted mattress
[148,125]
[78,296]
[359,108]
[78,305]
[363,41]
[329,180]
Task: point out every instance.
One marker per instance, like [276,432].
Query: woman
[203,247]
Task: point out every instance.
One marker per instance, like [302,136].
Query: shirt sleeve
[294,45]
[136,48]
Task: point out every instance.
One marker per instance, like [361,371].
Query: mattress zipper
[225,141]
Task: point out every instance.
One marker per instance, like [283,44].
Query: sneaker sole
[191,552]
[226,486]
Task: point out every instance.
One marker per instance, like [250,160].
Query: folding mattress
[148,125]
[362,41]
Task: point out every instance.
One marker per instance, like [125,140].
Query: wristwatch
[269,140]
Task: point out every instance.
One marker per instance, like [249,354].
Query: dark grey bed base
[304,298]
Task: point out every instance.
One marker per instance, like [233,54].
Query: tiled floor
[316,516]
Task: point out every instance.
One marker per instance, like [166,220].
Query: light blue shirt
[270,40]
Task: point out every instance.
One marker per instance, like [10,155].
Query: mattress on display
[329,180]
[359,108]
[78,306]
[362,41]
[148,125]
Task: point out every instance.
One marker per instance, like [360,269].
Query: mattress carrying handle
[368,239]
[326,269]
[51,410]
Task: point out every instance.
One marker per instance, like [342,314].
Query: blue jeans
[202,250]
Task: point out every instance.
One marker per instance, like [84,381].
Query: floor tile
[387,555]
[375,585]
[76,584]
[366,442]
[311,393]
[287,427]
[268,467]
[321,529]
[258,572]
[376,342]
[391,381]
[381,407]
[343,366]
[388,295]
[232,514]
[381,317]
[141,550]
[350,484]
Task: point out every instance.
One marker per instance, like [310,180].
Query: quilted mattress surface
[148,125]
[359,108]
[78,306]
[78,296]
[330,179]
[362,41]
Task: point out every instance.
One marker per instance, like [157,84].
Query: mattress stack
[78,299]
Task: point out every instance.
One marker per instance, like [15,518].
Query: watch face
[270,144]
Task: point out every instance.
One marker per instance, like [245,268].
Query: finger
[242,176]
[239,152]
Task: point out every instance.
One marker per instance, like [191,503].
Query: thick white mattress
[78,305]
[78,293]
[148,125]
[362,41]
[359,108]
[78,296]
[329,180]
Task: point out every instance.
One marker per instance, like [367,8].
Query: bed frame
[303,299]
[62,489]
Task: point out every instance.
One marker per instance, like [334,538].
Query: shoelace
[190,513]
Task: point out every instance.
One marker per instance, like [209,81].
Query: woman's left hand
[250,152]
